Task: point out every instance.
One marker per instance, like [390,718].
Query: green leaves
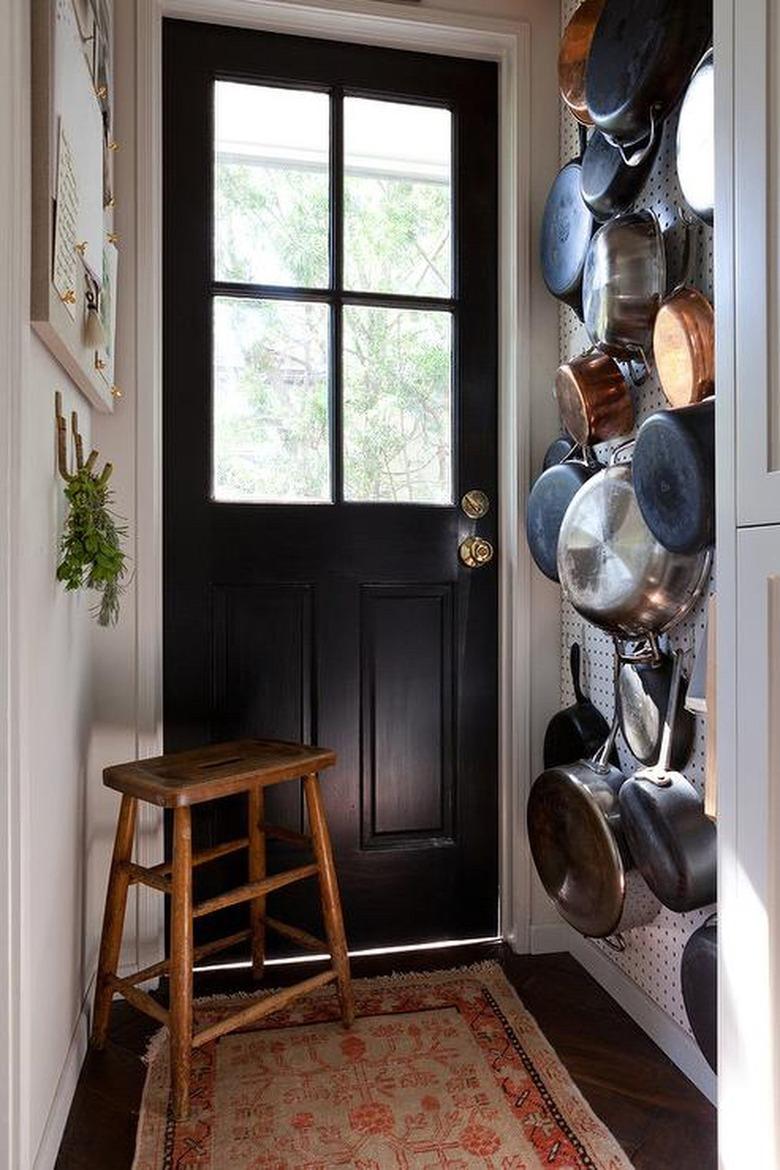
[91,548]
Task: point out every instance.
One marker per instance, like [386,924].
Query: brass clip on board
[78,442]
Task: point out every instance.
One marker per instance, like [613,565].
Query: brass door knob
[475,552]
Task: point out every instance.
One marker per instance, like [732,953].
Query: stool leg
[180,1020]
[113,918]
[329,894]
[256,835]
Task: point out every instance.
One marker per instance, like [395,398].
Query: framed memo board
[74,247]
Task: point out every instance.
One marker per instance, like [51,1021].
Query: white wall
[47,691]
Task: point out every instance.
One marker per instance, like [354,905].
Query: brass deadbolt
[475,504]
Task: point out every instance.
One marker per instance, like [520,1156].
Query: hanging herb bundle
[91,550]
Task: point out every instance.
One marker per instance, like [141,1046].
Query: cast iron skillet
[567,226]
[609,185]
[700,987]
[641,59]
[577,732]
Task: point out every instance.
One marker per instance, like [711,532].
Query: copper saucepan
[573,58]
[684,347]
[594,399]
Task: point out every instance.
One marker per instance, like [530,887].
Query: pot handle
[620,450]
[652,654]
[665,754]
[601,758]
[686,268]
[639,154]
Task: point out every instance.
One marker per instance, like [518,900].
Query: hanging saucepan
[567,226]
[684,347]
[674,476]
[611,567]
[594,400]
[699,978]
[623,284]
[696,141]
[640,61]
[578,731]
[550,496]
[574,831]
[644,681]
[560,449]
[573,57]
[672,841]
[610,185]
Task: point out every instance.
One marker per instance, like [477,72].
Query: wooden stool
[178,781]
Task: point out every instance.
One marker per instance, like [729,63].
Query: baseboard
[54,1128]
[550,937]
[681,1048]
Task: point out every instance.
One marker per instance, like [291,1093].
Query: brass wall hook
[78,443]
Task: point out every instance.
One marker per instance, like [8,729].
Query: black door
[330,396]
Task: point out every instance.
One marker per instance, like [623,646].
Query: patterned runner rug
[442,1071]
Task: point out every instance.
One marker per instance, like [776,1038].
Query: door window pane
[270,413]
[397,405]
[397,198]
[271,185]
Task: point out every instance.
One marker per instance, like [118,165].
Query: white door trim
[422,30]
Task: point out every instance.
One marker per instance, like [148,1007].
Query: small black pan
[644,681]
[567,226]
[577,732]
[670,838]
[609,185]
[550,496]
[560,449]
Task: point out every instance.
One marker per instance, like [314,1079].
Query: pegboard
[653,953]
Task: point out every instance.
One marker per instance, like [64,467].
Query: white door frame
[507,43]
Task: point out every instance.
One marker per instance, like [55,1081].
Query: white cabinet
[749,877]
[756,277]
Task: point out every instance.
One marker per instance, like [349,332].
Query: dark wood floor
[660,1119]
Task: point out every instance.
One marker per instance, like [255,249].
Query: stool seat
[177,781]
[208,773]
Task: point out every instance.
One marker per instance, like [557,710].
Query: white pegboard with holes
[653,953]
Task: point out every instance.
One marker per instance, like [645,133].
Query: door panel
[407,715]
[318,436]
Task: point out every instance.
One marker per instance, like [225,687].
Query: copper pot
[684,347]
[594,399]
[573,58]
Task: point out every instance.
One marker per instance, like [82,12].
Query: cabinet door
[756,276]
[749,921]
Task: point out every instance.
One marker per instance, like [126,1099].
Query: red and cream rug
[445,1070]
